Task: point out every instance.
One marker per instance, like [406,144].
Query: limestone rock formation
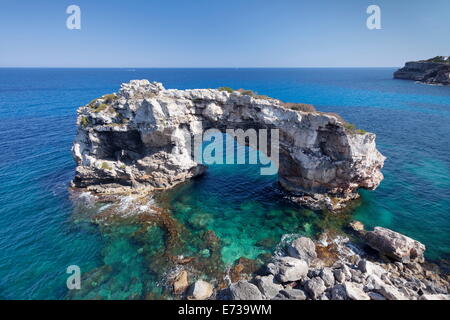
[244,290]
[395,245]
[139,138]
[268,286]
[201,290]
[288,269]
[303,248]
[432,71]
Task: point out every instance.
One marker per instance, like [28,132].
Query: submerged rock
[395,245]
[180,283]
[140,139]
[356,226]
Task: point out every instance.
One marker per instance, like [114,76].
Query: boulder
[323,297]
[244,290]
[342,274]
[355,292]
[294,294]
[435,297]
[391,292]
[268,287]
[200,290]
[180,283]
[315,287]
[303,248]
[374,282]
[290,269]
[395,245]
[327,277]
[356,276]
[371,268]
[338,292]
[375,296]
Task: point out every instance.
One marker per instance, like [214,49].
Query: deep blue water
[38,235]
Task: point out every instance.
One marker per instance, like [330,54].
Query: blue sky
[232,33]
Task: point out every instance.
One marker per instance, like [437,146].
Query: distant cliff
[432,71]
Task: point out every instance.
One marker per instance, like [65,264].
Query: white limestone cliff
[136,139]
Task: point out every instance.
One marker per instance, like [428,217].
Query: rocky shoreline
[432,71]
[374,265]
[134,143]
[333,268]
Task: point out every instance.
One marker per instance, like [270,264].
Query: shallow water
[40,235]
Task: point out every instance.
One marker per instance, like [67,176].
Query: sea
[43,230]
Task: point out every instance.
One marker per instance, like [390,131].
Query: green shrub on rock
[227,89]
[299,106]
[106,166]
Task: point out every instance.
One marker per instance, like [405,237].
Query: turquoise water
[41,233]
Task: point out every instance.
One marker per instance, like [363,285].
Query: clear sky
[214,33]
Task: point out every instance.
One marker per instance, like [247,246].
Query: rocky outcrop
[395,245]
[353,275]
[140,139]
[433,71]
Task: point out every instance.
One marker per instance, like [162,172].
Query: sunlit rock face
[140,138]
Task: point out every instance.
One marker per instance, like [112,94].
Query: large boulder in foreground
[303,248]
[395,245]
[287,269]
[141,138]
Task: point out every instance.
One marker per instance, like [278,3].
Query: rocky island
[431,71]
[136,140]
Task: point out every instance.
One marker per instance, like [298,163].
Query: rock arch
[137,139]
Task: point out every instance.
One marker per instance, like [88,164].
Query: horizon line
[316,67]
